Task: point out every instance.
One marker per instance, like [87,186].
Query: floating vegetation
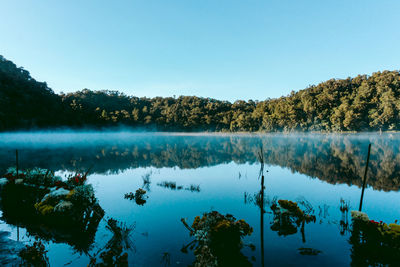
[36,198]
[170,185]
[309,251]
[138,196]
[288,217]
[34,255]
[174,186]
[193,188]
[146,180]
[218,240]
[374,243]
[389,233]
[359,216]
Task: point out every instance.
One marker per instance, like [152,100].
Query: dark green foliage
[139,196]
[371,247]
[26,103]
[352,104]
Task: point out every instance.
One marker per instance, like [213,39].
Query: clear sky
[212,48]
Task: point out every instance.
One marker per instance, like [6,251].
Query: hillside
[354,104]
[24,102]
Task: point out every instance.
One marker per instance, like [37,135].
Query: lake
[186,175]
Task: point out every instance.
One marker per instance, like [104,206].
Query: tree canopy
[353,104]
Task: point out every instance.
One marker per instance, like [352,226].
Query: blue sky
[212,48]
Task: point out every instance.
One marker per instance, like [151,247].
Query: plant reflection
[288,217]
[114,253]
[344,220]
[218,240]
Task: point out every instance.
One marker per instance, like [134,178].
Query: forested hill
[24,102]
[354,104]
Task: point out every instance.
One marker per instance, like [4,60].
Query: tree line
[362,103]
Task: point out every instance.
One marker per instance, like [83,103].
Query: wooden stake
[16,160]
[365,178]
[262,220]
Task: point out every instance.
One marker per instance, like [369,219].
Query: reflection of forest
[335,159]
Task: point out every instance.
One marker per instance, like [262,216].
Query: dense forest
[363,103]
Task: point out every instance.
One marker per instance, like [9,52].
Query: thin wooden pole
[365,178]
[262,220]
[261,159]
[16,161]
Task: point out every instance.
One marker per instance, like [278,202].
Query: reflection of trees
[335,159]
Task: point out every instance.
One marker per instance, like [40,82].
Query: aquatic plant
[170,185]
[77,179]
[146,180]
[219,239]
[173,186]
[359,215]
[374,243]
[35,176]
[138,196]
[64,201]
[309,251]
[51,208]
[288,217]
[389,232]
[193,188]
[34,255]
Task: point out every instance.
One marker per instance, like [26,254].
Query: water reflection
[332,158]
[190,190]
[9,250]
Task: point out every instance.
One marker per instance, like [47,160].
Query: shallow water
[316,168]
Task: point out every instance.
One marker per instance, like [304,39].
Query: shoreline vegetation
[362,103]
[136,131]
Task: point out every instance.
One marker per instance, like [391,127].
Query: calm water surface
[316,169]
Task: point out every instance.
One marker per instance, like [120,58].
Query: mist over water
[224,169]
[336,158]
